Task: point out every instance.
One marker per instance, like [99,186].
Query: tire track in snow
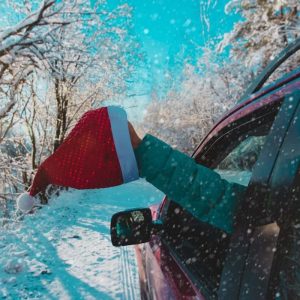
[128,274]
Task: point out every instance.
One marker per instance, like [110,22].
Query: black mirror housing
[131,227]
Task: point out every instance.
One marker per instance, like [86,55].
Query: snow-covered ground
[63,251]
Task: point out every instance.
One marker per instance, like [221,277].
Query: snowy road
[64,250]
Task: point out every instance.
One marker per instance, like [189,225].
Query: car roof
[269,89]
[272,92]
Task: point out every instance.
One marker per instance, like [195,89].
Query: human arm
[198,189]
[135,139]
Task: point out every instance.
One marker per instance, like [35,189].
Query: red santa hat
[96,154]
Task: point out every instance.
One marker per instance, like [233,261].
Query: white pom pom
[25,202]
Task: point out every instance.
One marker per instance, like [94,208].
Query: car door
[237,152]
[283,206]
[249,263]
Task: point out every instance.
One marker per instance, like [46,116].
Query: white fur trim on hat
[121,136]
[25,202]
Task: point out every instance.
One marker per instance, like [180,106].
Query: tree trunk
[62,112]
[58,116]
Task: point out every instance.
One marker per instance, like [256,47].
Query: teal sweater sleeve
[198,189]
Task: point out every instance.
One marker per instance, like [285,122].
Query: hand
[135,139]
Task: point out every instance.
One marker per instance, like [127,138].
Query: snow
[63,251]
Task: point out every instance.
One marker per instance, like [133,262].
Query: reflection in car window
[238,165]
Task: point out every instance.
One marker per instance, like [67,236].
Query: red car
[256,144]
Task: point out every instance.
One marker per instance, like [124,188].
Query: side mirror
[131,227]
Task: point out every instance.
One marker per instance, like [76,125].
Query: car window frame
[231,128]
[262,97]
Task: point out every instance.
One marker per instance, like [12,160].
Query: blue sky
[170,32]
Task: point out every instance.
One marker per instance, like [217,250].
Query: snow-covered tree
[62,58]
[189,110]
[267,26]
[23,46]
[90,65]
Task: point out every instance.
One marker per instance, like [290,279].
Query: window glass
[238,165]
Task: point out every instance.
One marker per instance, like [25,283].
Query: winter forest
[59,59]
